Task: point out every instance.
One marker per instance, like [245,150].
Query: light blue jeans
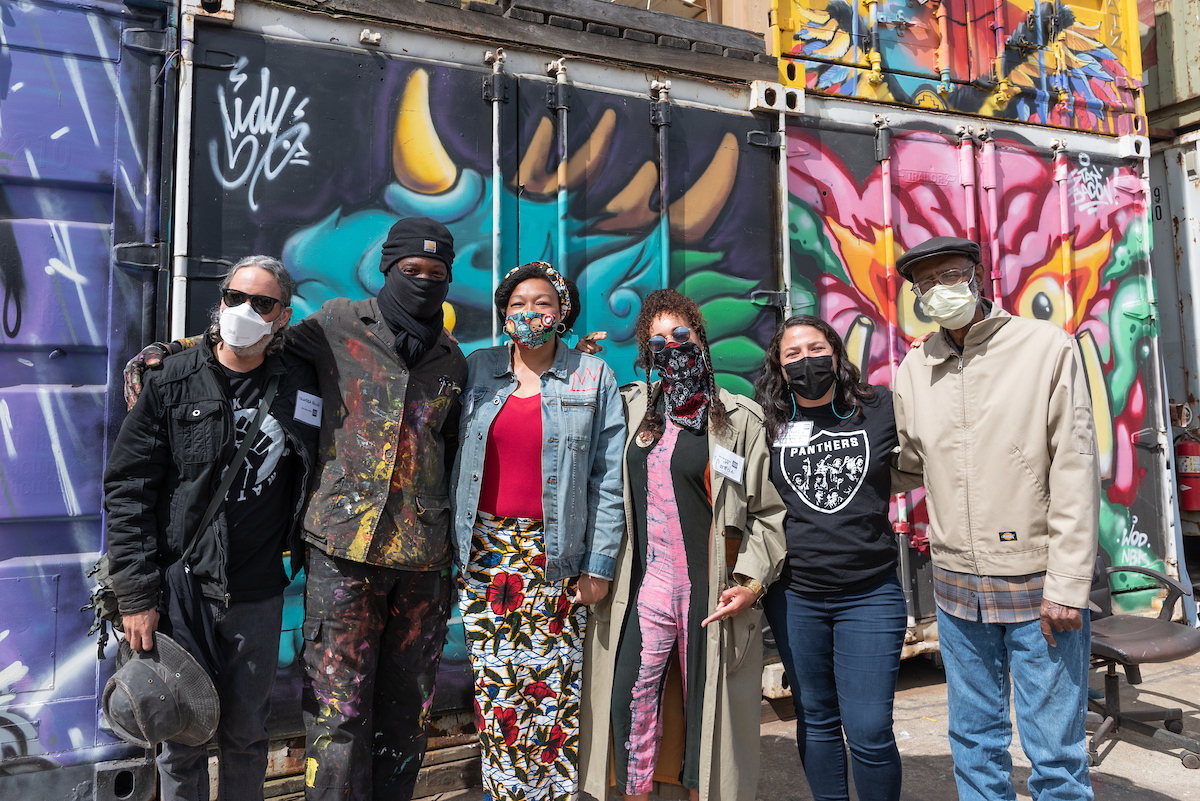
[1050,695]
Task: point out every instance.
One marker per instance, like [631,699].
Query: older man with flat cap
[994,411]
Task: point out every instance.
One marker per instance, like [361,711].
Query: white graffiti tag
[254,138]
[1089,188]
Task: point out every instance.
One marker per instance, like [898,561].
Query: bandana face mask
[530,329]
[684,373]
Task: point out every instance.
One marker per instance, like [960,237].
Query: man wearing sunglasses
[378,587]
[167,463]
[994,411]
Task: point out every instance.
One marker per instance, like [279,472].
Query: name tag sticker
[308,409]
[796,435]
[728,464]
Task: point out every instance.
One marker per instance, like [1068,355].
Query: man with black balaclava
[378,592]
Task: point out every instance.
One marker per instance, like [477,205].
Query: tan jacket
[753,511]
[1005,439]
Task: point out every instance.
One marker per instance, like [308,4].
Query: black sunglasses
[260,303]
[680,335]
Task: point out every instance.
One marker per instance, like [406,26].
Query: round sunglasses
[680,335]
[260,303]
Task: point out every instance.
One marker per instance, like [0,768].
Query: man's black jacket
[167,462]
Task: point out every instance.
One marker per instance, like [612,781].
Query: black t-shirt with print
[257,505]
[837,490]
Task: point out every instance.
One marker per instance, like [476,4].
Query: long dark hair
[771,387]
[656,304]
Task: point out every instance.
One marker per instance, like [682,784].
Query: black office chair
[1131,641]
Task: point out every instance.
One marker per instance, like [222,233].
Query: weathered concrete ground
[1132,767]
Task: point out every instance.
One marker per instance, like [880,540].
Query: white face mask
[951,307]
[241,326]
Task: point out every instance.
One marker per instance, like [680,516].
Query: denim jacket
[584,430]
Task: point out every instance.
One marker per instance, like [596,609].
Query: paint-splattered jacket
[584,428]
[387,439]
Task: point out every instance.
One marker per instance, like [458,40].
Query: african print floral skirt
[526,643]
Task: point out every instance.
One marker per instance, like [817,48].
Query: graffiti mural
[77,159]
[1083,267]
[318,169]
[318,174]
[1071,65]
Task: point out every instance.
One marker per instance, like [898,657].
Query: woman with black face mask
[838,612]
[674,660]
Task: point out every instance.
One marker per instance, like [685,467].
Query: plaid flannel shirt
[989,599]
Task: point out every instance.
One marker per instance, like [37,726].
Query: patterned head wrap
[556,280]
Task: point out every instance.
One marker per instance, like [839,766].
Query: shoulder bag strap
[218,497]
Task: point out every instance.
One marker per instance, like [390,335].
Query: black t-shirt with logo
[837,489]
[257,505]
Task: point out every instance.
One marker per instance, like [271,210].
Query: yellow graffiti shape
[419,160]
[582,166]
[630,208]
[866,265]
[692,215]
[1046,284]
[1093,367]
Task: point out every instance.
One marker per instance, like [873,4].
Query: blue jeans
[247,637]
[841,654]
[1050,694]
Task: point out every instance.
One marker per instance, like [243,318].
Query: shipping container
[147,147]
[1170,32]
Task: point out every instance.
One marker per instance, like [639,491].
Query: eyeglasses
[680,335]
[260,303]
[944,278]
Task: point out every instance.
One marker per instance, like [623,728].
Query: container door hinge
[495,87]
[558,96]
[769,297]
[660,113]
[147,40]
[771,139]
[141,255]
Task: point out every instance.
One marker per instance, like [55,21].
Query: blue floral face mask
[530,329]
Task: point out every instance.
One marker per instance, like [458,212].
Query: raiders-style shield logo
[827,473]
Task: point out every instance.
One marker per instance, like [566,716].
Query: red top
[512,469]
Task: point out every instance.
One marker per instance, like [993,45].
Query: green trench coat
[729,753]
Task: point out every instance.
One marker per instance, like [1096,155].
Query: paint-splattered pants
[373,640]
[526,643]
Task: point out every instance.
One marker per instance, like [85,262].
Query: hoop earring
[833,408]
[792,395]
[561,328]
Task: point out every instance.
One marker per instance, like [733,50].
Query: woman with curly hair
[704,538]
[538,520]
[838,612]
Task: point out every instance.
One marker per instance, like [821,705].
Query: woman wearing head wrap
[704,538]
[538,519]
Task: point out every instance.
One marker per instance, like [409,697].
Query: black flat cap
[938,246]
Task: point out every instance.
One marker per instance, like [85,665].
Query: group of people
[616,547]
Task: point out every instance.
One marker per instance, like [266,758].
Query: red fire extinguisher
[1187,468]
